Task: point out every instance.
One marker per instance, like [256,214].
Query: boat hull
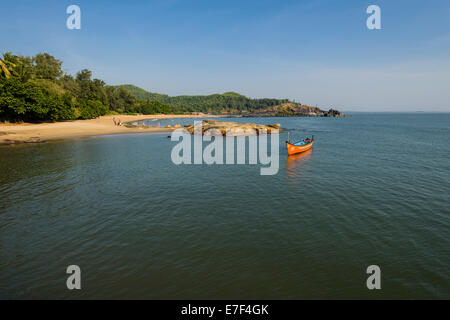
[293,149]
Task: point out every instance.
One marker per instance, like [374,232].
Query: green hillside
[230,102]
[141,94]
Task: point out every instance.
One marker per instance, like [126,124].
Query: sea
[373,191]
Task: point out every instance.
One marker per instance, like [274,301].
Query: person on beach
[114,120]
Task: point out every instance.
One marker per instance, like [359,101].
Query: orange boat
[301,146]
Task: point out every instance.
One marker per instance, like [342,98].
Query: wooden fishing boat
[301,146]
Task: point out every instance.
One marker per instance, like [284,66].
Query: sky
[317,52]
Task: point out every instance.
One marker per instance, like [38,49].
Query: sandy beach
[39,133]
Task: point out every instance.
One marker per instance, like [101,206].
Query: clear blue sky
[317,52]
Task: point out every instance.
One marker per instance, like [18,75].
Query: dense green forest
[37,89]
[229,102]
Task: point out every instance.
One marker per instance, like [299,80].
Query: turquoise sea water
[374,190]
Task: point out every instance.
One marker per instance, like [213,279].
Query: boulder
[216,127]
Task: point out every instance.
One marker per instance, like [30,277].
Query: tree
[21,101]
[6,65]
[84,75]
[83,80]
[153,107]
[121,100]
[92,109]
[47,67]
[24,68]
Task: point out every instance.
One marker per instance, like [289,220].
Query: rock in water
[215,128]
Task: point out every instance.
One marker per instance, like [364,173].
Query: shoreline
[29,133]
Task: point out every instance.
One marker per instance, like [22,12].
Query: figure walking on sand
[114,120]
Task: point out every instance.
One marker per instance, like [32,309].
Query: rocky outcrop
[333,113]
[228,128]
[294,110]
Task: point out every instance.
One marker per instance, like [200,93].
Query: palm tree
[23,67]
[6,64]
